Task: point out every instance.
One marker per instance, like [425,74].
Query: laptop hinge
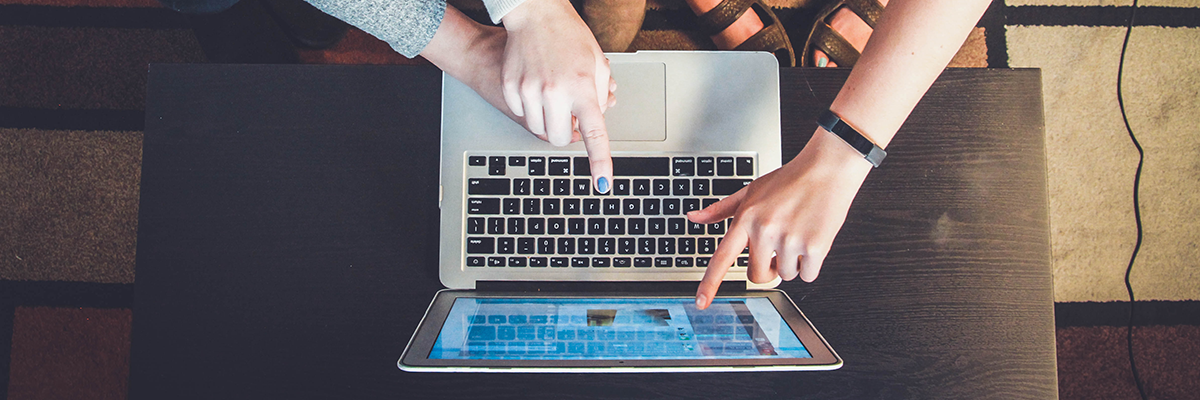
[637,287]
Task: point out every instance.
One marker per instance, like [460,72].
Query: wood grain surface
[287,245]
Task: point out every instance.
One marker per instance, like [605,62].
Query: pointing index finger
[595,139]
[726,255]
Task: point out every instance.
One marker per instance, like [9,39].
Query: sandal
[771,38]
[824,38]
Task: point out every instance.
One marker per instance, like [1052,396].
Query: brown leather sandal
[771,38]
[824,38]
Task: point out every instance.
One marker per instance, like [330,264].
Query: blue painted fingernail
[822,62]
[602,185]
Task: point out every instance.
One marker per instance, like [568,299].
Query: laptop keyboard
[541,211]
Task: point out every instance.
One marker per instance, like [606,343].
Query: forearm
[909,48]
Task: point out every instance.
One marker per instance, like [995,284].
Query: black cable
[1137,214]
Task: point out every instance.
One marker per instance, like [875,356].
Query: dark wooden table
[287,245]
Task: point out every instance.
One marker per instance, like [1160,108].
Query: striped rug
[72,84]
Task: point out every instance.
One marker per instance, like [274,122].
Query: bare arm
[790,217]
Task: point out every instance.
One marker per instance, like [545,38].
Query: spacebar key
[641,166]
[725,187]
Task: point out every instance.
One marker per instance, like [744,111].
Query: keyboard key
[576,226]
[536,226]
[559,166]
[621,187]
[596,226]
[526,245]
[716,228]
[641,187]
[645,246]
[506,332]
[516,226]
[705,166]
[651,207]
[662,187]
[496,226]
[683,262]
[538,262]
[725,187]
[566,246]
[643,262]
[483,206]
[571,207]
[745,166]
[586,246]
[612,206]
[631,206]
[687,245]
[541,187]
[482,332]
[622,262]
[626,245]
[600,262]
[516,261]
[496,165]
[743,261]
[496,261]
[505,245]
[695,228]
[475,226]
[725,166]
[690,205]
[545,245]
[606,245]
[591,206]
[706,245]
[656,226]
[670,206]
[521,187]
[477,161]
[492,186]
[662,262]
[641,166]
[683,166]
[637,226]
[582,187]
[516,161]
[700,187]
[562,187]
[666,245]
[550,206]
[556,226]
[512,206]
[537,166]
[532,206]
[676,226]
[616,226]
[681,187]
[476,261]
[559,262]
[580,262]
[707,202]
[702,262]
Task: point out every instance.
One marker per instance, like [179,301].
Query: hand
[555,76]
[788,217]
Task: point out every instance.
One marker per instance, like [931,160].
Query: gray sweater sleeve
[407,25]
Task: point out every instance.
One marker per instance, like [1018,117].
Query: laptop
[545,275]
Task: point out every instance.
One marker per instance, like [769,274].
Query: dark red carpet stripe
[1116,313]
[92,17]
[70,353]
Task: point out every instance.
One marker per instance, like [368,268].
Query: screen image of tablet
[604,332]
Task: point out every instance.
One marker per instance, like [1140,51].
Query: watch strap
[834,124]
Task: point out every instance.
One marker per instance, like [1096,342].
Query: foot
[614,23]
[745,26]
[846,23]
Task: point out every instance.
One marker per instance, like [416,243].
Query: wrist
[530,12]
[829,151]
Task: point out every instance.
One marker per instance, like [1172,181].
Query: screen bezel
[415,356]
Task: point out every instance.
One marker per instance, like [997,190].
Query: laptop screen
[614,328]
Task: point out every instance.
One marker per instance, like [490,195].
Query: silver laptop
[545,275]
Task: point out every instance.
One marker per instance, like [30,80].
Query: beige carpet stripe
[1091,161]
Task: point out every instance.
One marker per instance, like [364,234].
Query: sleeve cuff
[497,9]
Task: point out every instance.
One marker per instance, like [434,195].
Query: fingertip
[602,185]
[701,301]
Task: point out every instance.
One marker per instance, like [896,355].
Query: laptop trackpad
[640,113]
